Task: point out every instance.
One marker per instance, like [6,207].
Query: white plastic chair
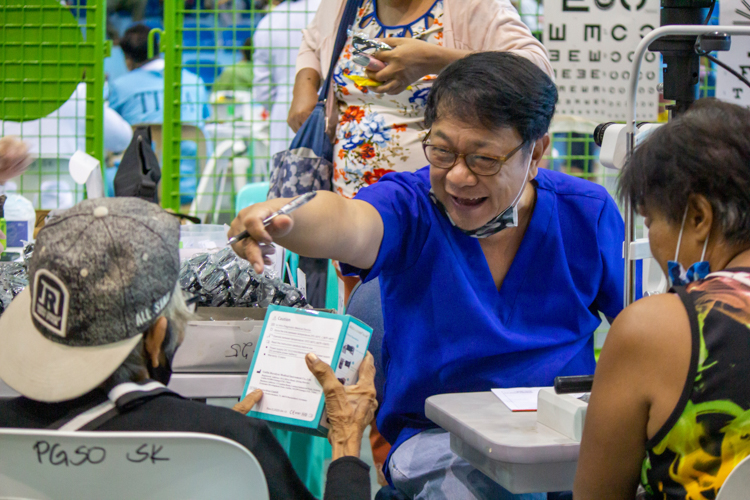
[48,464]
[737,484]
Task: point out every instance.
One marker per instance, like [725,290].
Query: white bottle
[20,219]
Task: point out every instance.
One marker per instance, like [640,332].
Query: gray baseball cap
[101,274]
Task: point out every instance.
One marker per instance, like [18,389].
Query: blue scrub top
[447,327]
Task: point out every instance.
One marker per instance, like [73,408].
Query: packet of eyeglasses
[362,42]
[14,277]
[222,279]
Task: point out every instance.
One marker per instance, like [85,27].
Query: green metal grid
[47,49]
[231,144]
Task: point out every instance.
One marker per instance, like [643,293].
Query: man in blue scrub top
[493,272]
[139,98]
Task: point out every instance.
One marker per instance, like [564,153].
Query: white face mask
[676,273]
[506,218]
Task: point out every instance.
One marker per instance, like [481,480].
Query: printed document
[280,371]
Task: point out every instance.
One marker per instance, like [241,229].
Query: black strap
[147,189]
[127,403]
[124,404]
[350,13]
[74,413]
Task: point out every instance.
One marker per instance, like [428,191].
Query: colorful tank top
[708,433]
[379,133]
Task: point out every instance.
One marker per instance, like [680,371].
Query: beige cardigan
[477,25]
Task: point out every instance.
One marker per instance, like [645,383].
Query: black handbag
[308,163]
[139,172]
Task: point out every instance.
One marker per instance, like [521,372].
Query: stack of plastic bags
[14,277]
[222,279]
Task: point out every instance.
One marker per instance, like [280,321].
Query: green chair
[252,193]
[307,453]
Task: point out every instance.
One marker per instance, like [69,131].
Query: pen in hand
[285,210]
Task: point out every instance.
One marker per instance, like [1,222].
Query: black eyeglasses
[478,164]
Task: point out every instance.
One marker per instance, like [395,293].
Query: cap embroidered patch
[50,302]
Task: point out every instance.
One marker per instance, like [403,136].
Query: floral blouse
[379,133]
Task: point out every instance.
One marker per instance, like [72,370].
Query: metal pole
[630,129]
[171,45]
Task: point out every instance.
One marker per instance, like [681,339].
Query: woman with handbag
[379,115]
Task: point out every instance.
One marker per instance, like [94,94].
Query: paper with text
[289,389]
[518,398]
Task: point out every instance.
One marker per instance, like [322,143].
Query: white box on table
[564,413]
[220,340]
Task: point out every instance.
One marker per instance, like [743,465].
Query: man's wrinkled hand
[349,409]
[250,400]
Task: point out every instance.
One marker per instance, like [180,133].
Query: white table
[189,385]
[513,449]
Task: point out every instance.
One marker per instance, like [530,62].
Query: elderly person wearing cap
[99,325]
[493,271]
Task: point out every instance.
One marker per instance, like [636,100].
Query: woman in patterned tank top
[669,414]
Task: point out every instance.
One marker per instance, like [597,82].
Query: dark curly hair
[706,151]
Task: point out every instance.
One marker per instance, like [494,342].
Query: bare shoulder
[650,327]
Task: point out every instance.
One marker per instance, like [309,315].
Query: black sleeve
[283,482]
[348,479]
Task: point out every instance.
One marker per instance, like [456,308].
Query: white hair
[133,368]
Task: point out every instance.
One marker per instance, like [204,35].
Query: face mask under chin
[505,219]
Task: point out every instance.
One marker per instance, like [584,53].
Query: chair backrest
[365,305]
[737,484]
[45,464]
[252,193]
[233,105]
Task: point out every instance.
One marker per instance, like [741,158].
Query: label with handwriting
[51,453]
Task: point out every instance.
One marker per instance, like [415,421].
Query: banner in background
[591,45]
[728,87]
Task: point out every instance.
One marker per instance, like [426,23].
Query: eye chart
[728,87]
[591,45]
